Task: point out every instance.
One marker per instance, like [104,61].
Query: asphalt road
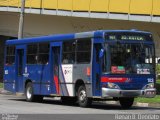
[11,104]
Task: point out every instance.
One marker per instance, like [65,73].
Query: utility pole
[21,20]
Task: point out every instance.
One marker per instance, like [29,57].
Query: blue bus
[82,67]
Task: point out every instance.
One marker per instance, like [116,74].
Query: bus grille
[131,86]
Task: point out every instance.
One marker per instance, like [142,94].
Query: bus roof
[62,37]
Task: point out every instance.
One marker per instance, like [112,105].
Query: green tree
[158,70]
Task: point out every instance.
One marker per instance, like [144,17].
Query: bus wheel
[126,103]
[29,92]
[83,100]
[30,97]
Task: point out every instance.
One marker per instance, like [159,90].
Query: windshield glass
[131,58]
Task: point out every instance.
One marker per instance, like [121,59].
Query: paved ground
[16,108]
[18,105]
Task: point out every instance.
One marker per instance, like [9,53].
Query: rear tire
[83,100]
[126,103]
[29,93]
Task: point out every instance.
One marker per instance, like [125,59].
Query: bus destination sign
[126,37]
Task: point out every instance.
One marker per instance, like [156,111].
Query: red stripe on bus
[56,83]
[113,79]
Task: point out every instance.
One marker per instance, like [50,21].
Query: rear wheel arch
[81,93]
[27,81]
[78,83]
[83,99]
[29,92]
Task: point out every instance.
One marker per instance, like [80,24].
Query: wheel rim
[29,92]
[82,95]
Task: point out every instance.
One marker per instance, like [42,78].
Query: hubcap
[29,92]
[82,95]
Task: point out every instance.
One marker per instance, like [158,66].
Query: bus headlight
[113,86]
[149,86]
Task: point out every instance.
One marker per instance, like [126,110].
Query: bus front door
[56,66]
[19,84]
[96,70]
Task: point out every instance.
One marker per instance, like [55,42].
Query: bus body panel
[128,85]
[128,82]
[47,81]
[39,75]
[81,72]
[9,78]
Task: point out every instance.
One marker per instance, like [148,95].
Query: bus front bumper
[149,93]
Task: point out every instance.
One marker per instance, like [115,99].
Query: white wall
[36,25]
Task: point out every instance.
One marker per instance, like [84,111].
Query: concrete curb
[154,105]
[141,104]
[2,91]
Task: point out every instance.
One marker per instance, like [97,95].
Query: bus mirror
[101,53]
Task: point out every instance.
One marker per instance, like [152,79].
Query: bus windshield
[131,58]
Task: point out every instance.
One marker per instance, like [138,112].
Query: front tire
[29,93]
[83,100]
[126,103]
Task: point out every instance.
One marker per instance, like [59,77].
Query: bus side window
[10,55]
[32,54]
[83,51]
[43,53]
[69,52]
